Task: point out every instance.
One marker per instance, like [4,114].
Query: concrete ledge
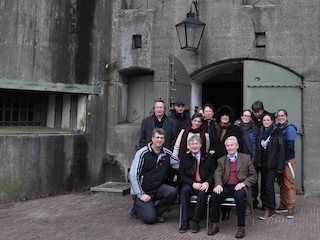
[112,188]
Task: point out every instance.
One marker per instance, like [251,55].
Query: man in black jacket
[196,175]
[147,177]
[180,116]
[158,120]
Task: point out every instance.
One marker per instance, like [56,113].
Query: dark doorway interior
[225,89]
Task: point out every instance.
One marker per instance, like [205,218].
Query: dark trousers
[268,197]
[240,198]
[148,211]
[186,192]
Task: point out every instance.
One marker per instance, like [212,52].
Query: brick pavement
[97,216]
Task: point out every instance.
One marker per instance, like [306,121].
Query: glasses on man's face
[246,116]
[281,115]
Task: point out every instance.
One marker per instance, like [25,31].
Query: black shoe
[225,215]
[159,219]
[195,227]
[168,209]
[184,227]
[133,215]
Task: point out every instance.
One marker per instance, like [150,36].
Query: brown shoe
[266,215]
[213,230]
[290,213]
[241,232]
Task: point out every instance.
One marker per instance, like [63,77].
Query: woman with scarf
[224,129]
[195,128]
[270,158]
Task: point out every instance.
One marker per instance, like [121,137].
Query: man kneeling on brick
[234,176]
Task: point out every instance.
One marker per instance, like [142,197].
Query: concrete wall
[59,41]
[41,165]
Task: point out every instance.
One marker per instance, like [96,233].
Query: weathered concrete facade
[44,42]
[90,43]
[291,31]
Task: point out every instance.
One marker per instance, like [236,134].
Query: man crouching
[147,176]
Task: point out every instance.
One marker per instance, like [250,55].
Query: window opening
[73,112]
[139,4]
[58,112]
[22,109]
[136,41]
[261,40]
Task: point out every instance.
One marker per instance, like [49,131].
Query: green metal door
[179,83]
[277,88]
[140,98]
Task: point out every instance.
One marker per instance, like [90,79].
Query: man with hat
[180,115]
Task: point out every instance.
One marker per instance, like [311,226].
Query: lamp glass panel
[182,35]
[194,33]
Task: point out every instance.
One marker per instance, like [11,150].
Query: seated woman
[195,128]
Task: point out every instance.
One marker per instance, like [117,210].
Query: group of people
[218,157]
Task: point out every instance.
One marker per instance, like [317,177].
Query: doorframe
[201,75]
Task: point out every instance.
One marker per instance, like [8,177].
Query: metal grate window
[22,109]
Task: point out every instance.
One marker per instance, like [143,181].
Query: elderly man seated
[196,175]
[234,176]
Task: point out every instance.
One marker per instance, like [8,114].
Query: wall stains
[85,13]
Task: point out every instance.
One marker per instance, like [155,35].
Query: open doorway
[225,89]
[219,84]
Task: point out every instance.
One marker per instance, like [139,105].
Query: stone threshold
[112,188]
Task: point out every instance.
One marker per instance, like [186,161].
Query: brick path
[97,216]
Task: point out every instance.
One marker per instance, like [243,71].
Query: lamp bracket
[196,7]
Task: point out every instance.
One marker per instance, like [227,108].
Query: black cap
[179,102]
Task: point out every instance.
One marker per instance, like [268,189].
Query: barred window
[22,108]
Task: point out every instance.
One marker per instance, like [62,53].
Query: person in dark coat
[224,129]
[249,132]
[180,116]
[258,112]
[151,196]
[158,120]
[196,176]
[208,120]
[271,160]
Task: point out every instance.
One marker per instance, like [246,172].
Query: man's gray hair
[194,138]
[160,131]
[232,138]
